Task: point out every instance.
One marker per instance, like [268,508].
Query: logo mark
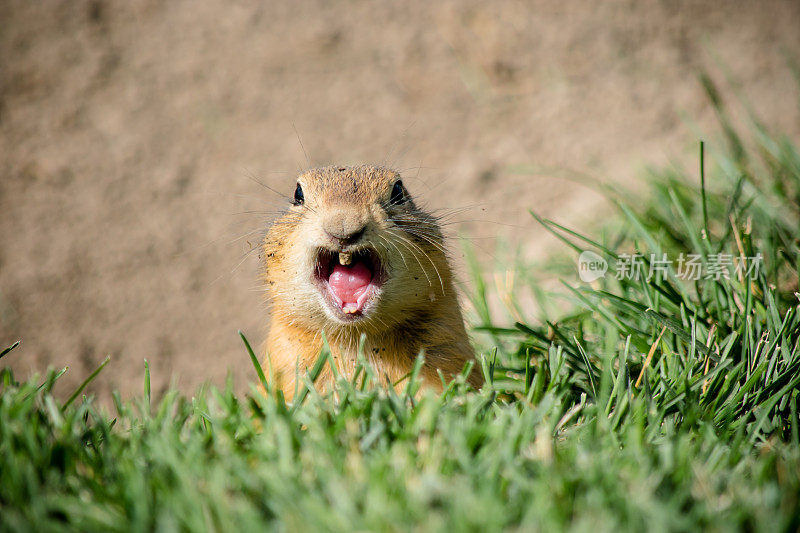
[591,266]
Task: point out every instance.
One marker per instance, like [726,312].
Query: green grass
[648,405]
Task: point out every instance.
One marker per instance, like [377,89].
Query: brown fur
[417,307]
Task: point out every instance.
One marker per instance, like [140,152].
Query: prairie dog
[354,256]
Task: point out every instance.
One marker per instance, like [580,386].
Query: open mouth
[349,279]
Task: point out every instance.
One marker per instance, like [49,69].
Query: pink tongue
[349,285]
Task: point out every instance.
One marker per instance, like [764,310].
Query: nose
[344,228]
[347,238]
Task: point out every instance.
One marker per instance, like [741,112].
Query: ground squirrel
[352,256]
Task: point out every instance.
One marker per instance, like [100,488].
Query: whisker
[384,239]
[386,162]
[254,179]
[429,239]
[240,237]
[424,272]
[435,268]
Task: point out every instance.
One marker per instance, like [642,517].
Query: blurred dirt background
[130,131]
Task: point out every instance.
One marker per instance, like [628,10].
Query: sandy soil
[129,132]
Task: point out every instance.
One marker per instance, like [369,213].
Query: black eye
[298,195]
[398,193]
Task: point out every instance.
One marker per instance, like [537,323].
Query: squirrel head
[355,251]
